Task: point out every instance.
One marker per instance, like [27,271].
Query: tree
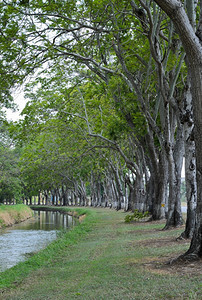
[10,177]
[63,119]
[192,43]
[101,36]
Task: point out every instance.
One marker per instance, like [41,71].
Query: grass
[18,207]
[105,258]
[11,214]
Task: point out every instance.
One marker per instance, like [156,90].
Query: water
[17,243]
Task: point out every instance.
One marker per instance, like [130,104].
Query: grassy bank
[79,213]
[44,257]
[105,258]
[12,214]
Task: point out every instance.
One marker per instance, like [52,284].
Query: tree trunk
[72,198]
[115,195]
[175,159]
[109,191]
[39,198]
[104,196]
[193,49]
[118,187]
[126,204]
[196,76]
[98,193]
[190,165]
[157,185]
[137,194]
[160,181]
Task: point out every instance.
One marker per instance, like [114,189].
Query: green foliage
[10,179]
[100,88]
[136,216]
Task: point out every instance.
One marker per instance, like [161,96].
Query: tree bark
[175,159]
[159,177]
[190,164]
[193,48]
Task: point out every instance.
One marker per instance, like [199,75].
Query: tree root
[180,238]
[184,236]
[150,219]
[185,258]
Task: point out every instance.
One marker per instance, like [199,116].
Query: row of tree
[110,102]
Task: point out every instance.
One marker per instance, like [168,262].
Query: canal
[20,241]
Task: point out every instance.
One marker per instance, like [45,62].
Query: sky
[21,102]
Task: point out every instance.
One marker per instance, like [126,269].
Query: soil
[168,264]
[82,217]
[12,217]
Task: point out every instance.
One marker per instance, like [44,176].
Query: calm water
[20,241]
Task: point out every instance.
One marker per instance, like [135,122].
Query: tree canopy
[109,114]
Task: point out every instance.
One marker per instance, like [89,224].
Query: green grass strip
[106,258]
[17,273]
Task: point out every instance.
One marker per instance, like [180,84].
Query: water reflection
[47,220]
[17,242]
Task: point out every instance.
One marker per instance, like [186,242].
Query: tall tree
[192,43]
[101,36]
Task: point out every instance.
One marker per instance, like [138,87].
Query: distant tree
[10,177]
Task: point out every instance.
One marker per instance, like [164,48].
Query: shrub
[136,216]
